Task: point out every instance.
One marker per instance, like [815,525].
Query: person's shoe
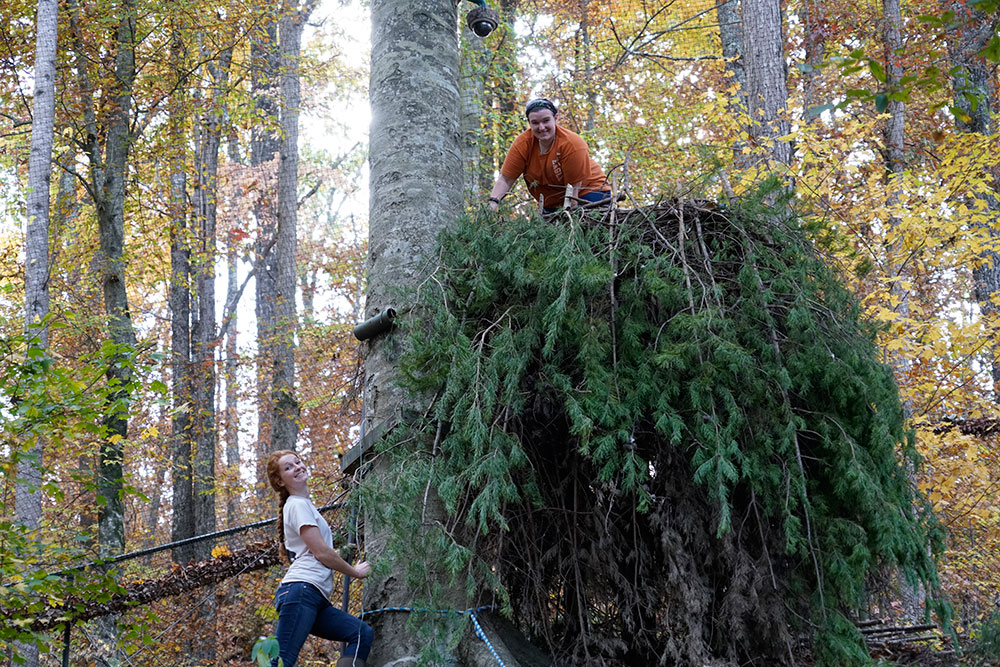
[350,662]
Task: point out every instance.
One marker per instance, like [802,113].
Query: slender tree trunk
[731,36]
[36,270]
[182,521]
[264,147]
[894,137]
[508,112]
[109,183]
[975,90]
[895,126]
[231,367]
[473,85]
[764,62]
[28,492]
[204,341]
[285,420]
[815,46]
[585,67]
[231,433]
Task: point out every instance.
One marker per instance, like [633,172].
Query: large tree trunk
[416,189]
[764,62]
[28,492]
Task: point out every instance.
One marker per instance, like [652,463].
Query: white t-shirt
[300,512]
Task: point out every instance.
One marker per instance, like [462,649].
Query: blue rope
[472,615]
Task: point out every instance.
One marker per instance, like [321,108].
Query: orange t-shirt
[568,161]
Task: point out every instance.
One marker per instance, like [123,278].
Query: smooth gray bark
[892,46]
[416,190]
[731,37]
[36,269]
[28,494]
[766,75]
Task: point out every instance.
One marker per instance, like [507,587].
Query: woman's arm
[327,556]
[500,188]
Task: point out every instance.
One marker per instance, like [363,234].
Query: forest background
[204,268]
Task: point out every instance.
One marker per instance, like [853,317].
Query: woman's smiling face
[543,125]
[293,473]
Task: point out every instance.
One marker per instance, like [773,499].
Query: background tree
[106,141]
[36,271]
[763,57]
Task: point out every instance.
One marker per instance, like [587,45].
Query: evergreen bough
[662,437]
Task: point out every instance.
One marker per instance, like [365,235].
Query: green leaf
[881,102]
[877,70]
[960,114]
[265,650]
[992,50]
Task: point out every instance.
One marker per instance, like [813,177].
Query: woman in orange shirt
[550,157]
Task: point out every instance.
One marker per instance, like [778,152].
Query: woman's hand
[326,555]
[500,188]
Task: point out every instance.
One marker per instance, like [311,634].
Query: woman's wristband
[494,200]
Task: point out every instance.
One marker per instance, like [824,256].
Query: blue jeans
[302,610]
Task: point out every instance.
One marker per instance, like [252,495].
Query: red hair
[274,477]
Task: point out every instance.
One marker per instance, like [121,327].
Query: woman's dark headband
[540,103]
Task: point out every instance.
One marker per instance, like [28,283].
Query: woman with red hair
[303,598]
